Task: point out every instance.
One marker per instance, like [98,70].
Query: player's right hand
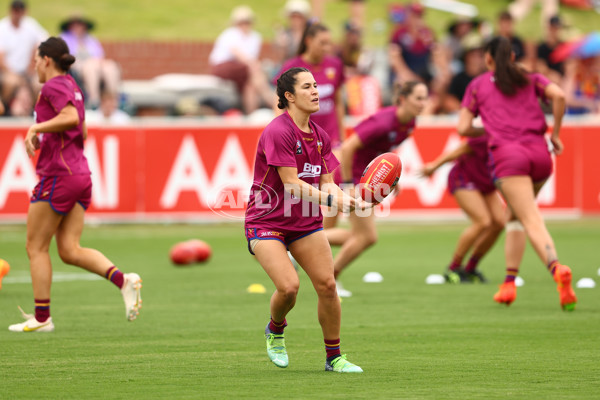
[32,142]
[427,170]
[557,145]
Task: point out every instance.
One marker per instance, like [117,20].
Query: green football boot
[276,348]
[340,364]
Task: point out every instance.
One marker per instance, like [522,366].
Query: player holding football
[378,134]
[506,97]
[63,193]
[470,183]
[292,177]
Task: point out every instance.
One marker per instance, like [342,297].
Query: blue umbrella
[590,47]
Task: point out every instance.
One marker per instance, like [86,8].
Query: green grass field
[200,335]
[204,20]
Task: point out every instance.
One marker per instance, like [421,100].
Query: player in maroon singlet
[292,177]
[507,98]
[60,198]
[379,133]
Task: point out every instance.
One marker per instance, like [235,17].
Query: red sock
[552,266]
[277,327]
[332,347]
[115,276]
[455,264]
[472,263]
[511,274]
[42,309]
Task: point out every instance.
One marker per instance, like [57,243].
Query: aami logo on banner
[188,174]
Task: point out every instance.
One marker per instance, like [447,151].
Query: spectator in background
[411,46]
[544,65]
[350,49]
[452,43]
[287,39]
[91,67]
[474,65]
[356,9]
[108,112]
[19,38]
[235,57]
[506,28]
[582,85]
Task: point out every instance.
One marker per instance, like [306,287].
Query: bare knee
[326,288]
[367,239]
[370,238]
[33,249]
[69,254]
[498,224]
[483,223]
[289,291]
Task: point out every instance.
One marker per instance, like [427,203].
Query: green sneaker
[456,277]
[340,364]
[276,348]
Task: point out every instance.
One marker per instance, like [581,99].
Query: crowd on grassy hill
[446,64]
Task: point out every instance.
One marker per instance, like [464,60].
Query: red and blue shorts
[530,158]
[62,192]
[284,236]
[462,178]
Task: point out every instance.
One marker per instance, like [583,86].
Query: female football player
[506,97]
[380,133]
[64,191]
[292,178]
[473,188]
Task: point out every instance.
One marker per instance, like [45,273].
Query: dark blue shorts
[285,237]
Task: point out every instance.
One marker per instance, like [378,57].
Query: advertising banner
[197,173]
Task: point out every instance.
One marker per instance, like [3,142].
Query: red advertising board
[178,173]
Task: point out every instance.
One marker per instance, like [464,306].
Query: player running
[470,183]
[378,134]
[292,178]
[64,191]
[506,97]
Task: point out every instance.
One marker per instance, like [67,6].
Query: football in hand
[380,178]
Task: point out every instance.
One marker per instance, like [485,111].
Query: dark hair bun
[66,60]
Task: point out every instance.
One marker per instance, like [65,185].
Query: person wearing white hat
[235,57]
[288,38]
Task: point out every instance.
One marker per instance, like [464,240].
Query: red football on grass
[182,254]
[202,250]
[380,178]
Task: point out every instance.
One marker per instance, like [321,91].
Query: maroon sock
[332,347]
[552,266]
[455,264]
[115,276]
[277,327]
[42,309]
[511,274]
[472,263]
